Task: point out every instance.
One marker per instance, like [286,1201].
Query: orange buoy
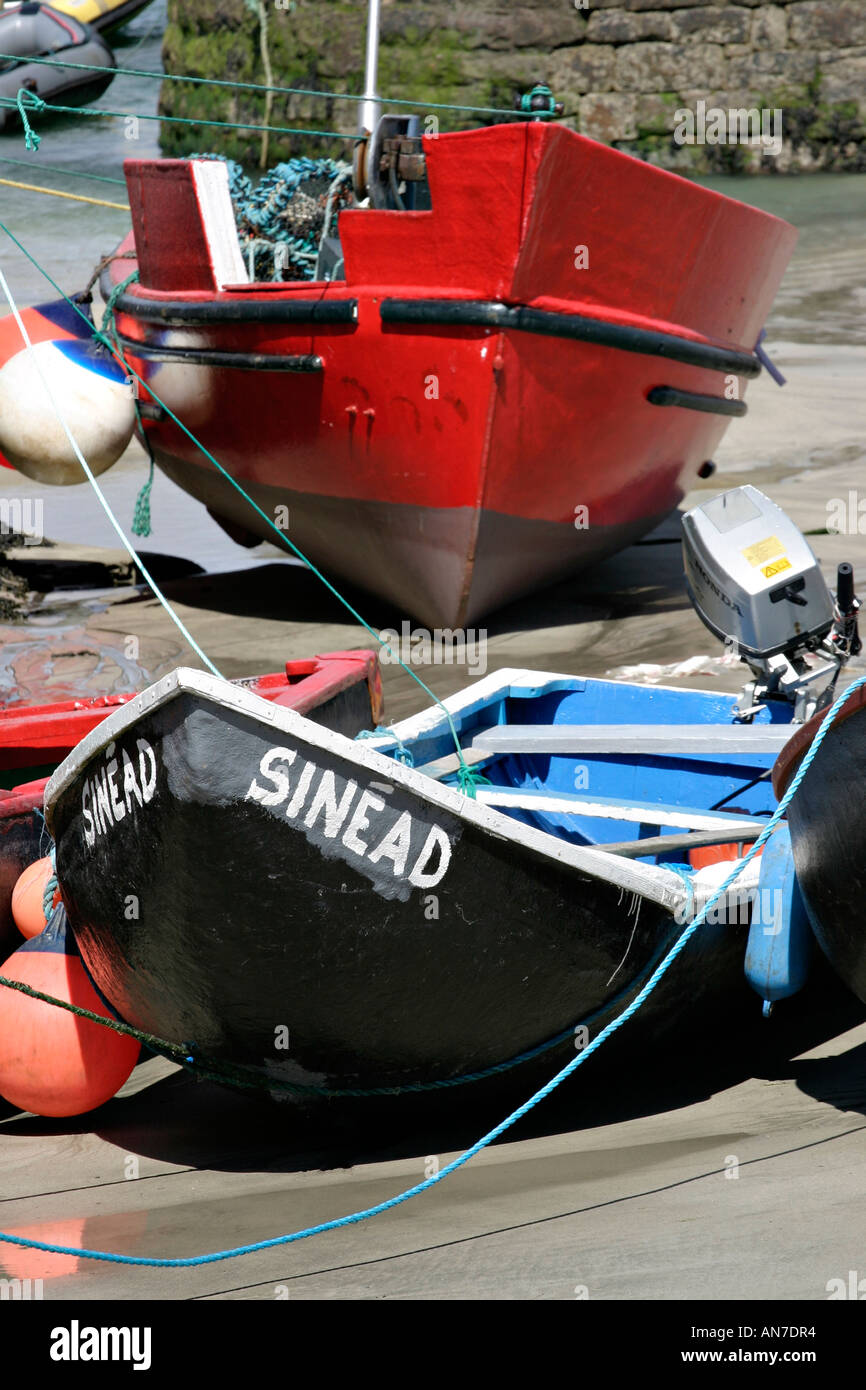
[51,1061]
[719,854]
[27,896]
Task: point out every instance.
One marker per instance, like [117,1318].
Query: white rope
[106,506]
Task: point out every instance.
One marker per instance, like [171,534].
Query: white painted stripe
[211,185]
[611,809]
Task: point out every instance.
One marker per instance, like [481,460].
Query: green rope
[263,87]
[24,100]
[37,104]
[57,169]
[141,513]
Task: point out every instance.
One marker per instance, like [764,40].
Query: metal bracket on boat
[539,104]
[404,156]
[396,167]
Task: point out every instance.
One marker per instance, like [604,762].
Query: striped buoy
[52,1062]
[89,386]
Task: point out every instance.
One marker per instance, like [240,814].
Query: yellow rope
[55,192]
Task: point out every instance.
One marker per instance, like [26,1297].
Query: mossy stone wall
[623,68]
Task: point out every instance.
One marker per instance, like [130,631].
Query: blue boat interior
[631,784]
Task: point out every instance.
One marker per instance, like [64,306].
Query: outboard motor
[755,583]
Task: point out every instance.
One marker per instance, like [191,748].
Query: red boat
[501,389]
[341,690]
[514,366]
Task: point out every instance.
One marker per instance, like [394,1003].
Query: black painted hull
[828,837]
[404,942]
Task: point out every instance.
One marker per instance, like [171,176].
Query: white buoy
[91,390]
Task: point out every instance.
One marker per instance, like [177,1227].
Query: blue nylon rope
[355,1217]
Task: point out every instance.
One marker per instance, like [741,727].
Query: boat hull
[300,906]
[484,410]
[828,841]
[43,31]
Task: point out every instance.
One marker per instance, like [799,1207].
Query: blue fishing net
[283,219]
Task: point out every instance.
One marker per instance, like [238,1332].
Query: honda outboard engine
[756,584]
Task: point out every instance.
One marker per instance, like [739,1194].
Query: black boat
[307,906]
[828,834]
[30,31]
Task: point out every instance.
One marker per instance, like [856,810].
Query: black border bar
[492,314]
[216,357]
[693,400]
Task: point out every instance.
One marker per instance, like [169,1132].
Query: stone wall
[624,69]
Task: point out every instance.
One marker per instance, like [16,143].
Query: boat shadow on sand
[167,1115]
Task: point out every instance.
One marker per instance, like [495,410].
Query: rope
[35,103]
[289,211]
[540,1095]
[58,169]
[258,9]
[56,193]
[24,100]
[471,778]
[402,754]
[366,1213]
[141,512]
[51,886]
[157,592]
[264,87]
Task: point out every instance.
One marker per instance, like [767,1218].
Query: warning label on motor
[762,551]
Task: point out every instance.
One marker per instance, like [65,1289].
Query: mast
[369,106]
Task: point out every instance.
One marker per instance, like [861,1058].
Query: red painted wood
[47,733]
[159,191]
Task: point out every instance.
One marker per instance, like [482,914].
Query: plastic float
[52,1061]
[90,387]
